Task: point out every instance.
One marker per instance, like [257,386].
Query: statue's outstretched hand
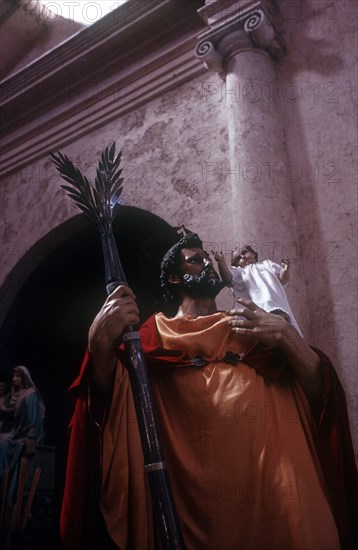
[253,322]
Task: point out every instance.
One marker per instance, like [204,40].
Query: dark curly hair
[171,266]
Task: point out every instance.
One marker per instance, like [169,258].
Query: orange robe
[240,450]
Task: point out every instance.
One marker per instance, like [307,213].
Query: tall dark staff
[101,204]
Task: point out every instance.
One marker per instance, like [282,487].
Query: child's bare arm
[224,271]
[284,273]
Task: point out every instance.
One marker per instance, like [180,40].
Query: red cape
[333,440]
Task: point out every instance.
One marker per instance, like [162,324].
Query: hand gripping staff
[101,204]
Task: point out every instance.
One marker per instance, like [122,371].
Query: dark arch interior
[46,327]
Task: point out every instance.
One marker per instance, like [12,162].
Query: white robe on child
[259,282]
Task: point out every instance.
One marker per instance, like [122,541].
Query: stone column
[242,45]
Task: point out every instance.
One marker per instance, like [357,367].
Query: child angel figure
[262,282]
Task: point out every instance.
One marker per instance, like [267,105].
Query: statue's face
[194,260]
[198,276]
[17,380]
[247,259]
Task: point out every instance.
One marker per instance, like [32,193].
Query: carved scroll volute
[249,28]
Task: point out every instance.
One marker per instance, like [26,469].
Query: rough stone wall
[317,92]
[165,158]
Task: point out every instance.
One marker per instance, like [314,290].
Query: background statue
[22,414]
[4,390]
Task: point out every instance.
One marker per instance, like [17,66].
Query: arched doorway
[47,323]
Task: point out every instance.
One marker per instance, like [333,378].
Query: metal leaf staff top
[101,204]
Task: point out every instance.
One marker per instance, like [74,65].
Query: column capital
[235,25]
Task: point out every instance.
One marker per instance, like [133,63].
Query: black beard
[203,285]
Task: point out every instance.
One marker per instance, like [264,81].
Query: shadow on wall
[47,323]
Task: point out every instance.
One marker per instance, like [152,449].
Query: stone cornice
[97,75]
[249,25]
